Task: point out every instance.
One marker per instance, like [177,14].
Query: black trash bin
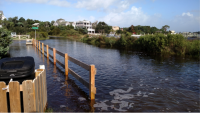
[17,68]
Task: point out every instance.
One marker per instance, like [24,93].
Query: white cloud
[61,3]
[134,16]
[187,14]
[105,5]
[94,4]
[31,1]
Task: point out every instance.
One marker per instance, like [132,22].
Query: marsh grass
[155,44]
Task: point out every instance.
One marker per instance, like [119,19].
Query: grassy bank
[154,44]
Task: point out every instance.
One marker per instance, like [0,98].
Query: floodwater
[125,80]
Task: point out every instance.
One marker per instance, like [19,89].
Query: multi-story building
[87,25]
[2,17]
[80,24]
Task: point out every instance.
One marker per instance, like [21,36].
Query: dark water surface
[125,80]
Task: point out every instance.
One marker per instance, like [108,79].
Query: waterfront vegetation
[5,40]
[153,44]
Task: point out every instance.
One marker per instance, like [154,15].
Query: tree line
[102,27]
[24,27]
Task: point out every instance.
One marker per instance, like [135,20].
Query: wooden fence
[90,85]
[34,94]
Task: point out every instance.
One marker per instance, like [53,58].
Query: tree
[102,27]
[15,19]
[154,29]
[52,22]
[131,29]
[5,40]
[165,27]
[119,31]
[22,20]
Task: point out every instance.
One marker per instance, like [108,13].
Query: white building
[173,32]
[55,24]
[36,24]
[71,23]
[2,17]
[87,25]
[81,24]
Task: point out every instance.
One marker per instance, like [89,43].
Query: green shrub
[5,40]
[43,35]
[156,44]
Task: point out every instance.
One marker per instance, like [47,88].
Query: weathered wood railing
[91,68]
[34,94]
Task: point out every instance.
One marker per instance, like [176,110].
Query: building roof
[59,20]
[84,21]
[36,24]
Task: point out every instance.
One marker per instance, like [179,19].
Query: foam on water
[81,99]
[63,86]
[125,96]
[62,106]
[119,99]
[120,91]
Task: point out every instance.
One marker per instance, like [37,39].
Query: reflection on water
[62,94]
[125,80]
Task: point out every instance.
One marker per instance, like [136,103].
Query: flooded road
[125,80]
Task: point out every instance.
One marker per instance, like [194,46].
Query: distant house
[13,34]
[173,32]
[55,24]
[2,17]
[121,29]
[63,23]
[87,25]
[80,24]
[115,28]
[71,23]
[36,24]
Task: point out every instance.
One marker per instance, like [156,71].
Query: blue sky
[180,15]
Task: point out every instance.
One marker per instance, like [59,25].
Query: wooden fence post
[42,48]
[66,65]
[39,45]
[54,56]
[92,82]
[3,102]
[47,47]
[14,95]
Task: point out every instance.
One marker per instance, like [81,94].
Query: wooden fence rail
[91,68]
[34,94]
